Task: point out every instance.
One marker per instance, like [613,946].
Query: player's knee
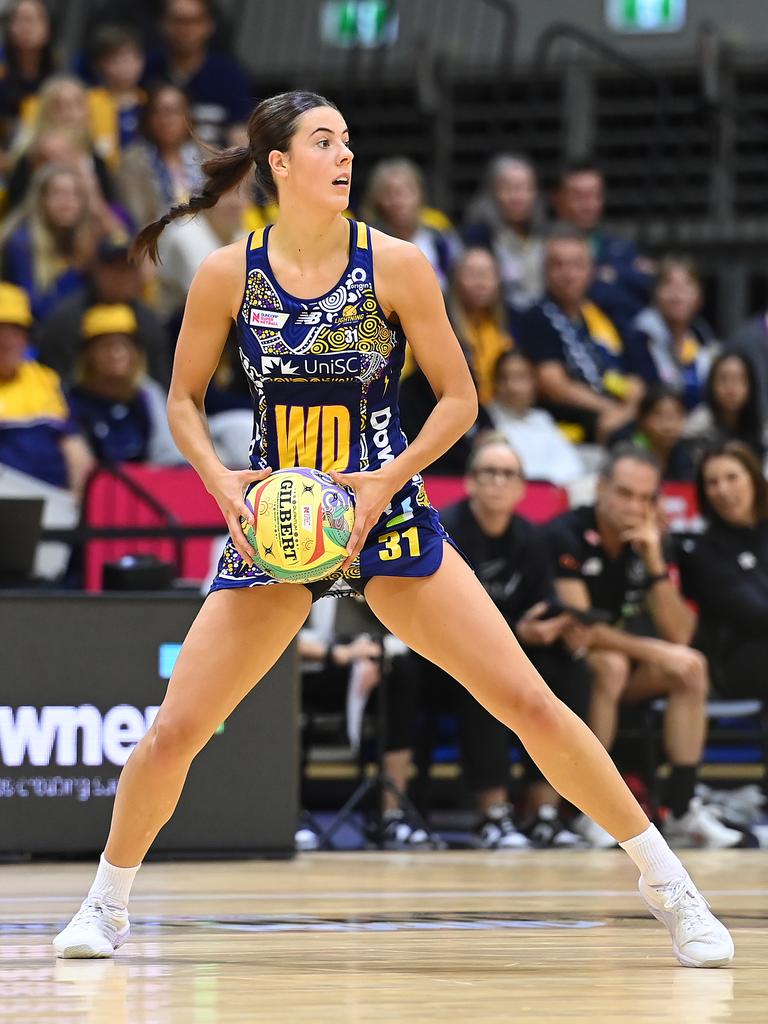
[610,673]
[173,740]
[536,707]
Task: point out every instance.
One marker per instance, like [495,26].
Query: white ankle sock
[653,857]
[113,882]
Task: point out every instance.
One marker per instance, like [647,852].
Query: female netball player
[323,306]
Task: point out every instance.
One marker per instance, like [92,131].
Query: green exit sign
[358,23]
[646,15]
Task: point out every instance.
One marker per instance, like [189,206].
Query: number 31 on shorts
[393,544]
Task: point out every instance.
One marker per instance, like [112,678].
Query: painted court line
[333,897]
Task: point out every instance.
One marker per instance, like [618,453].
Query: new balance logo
[309,316]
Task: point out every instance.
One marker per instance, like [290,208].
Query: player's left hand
[373,492]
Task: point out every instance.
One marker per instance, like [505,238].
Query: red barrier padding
[111,503]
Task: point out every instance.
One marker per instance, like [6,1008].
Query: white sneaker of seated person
[594,834]
[699,828]
[698,938]
[98,928]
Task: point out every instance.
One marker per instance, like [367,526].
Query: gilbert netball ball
[302,523]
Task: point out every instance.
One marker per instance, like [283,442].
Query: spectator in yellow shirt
[37,436]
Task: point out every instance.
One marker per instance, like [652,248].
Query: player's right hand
[229,489]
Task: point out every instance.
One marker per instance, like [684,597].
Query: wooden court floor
[543,937]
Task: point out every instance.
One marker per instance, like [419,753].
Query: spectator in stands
[725,571]
[111,278]
[505,218]
[163,168]
[622,281]
[512,563]
[118,58]
[26,59]
[118,408]
[218,89]
[611,557]
[545,451]
[751,338]
[660,427]
[64,106]
[184,245]
[394,202]
[731,409]
[584,370]
[49,241]
[679,343]
[479,317]
[37,436]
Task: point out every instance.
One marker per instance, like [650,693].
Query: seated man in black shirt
[514,566]
[611,557]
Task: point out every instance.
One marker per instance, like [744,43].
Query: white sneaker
[306,839]
[594,834]
[98,928]
[699,828]
[698,938]
[497,830]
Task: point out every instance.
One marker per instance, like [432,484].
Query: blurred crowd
[576,340]
[579,345]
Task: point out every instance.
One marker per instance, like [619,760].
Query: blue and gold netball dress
[324,378]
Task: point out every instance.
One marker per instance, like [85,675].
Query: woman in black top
[725,571]
[731,410]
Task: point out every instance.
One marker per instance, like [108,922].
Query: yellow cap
[14,305]
[113,319]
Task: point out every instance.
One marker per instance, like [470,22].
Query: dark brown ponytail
[271,126]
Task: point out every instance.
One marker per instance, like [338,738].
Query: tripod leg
[407,805]
[344,814]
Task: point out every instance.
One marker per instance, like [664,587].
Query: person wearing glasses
[512,563]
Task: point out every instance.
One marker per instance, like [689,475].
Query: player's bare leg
[234,641]
[449,618]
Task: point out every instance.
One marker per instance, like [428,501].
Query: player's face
[580,200]
[495,482]
[13,342]
[318,164]
[628,498]
[568,270]
[728,486]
